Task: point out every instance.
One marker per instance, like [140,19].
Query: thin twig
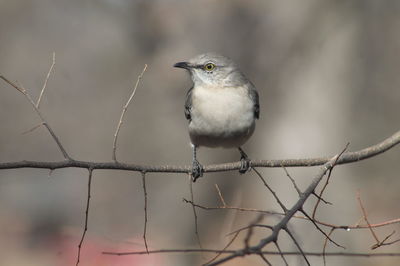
[319,229]
[45,81]
[384,243]
[54,136]
[319,198]
[348,157]
[220,195]
[378,242]
[114,157]
[250,231]
[291,179]
[297,245]
[270,189]
[226,246]
[272,253]
[366,218]
[196,227]
[86,216]
[249,226]
[231,208]
[282,225]
[32,129]
[343,227]
[265,259]
[145,209]
[282,254]
[326,244]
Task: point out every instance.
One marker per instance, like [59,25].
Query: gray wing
[188,104]
[254,96]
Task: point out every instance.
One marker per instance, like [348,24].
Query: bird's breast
[221,113]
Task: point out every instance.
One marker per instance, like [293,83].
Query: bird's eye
[209,67]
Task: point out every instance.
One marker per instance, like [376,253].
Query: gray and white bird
[222,106]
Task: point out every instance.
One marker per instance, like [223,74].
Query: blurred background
[327,74]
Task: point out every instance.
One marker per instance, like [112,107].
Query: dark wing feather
[254,96]
[188,104]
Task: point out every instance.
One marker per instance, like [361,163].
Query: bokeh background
[327,74]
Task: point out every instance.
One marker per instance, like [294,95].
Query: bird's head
[212,69]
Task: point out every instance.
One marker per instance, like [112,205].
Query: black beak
[184,65]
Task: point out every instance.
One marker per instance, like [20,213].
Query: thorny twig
[44,122]
[319,197]
[282,224]
[196,226]
[124,109]
[365,217]
[220,196]
[348,157]
[270,189]
[145,209]
[45,81]
[86,216]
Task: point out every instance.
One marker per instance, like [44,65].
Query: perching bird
[221,107]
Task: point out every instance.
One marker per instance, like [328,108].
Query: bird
[221,107]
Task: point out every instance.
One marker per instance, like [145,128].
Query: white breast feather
[219,110]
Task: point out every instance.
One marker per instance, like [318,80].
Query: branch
[86,217]
[121,119]
[36,107]
[45,81]
[145,210]
[347,157]
[282,224]
[273,253]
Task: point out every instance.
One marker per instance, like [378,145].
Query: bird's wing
[254,96]
[188,104]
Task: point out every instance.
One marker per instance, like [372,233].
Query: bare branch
[322,231]
[231,208]
[249,226]
[366,218]
[282,224]
[270,189]
[226,246]
[86,216]
[145,209]
[45,81]
[265,259]
[384,243]
[272,253]
[297,245]
[196,227]
[370,227]
[292,180]
[220,195]
[347,157]
[24,92]
[32,129]
[319,198]
[325,245]
[281,253]
[121,119]
[250,231]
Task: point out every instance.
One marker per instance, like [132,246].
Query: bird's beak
[184,65]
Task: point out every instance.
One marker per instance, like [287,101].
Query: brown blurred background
[327,74]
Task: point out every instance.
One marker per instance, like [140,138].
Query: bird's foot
[197,170]
[244,162]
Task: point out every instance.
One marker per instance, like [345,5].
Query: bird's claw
[244,165]
[244,162]
[197,170]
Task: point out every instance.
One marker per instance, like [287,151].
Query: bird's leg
[197,168]
[245,162]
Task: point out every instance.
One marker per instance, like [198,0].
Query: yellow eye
[209,67]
